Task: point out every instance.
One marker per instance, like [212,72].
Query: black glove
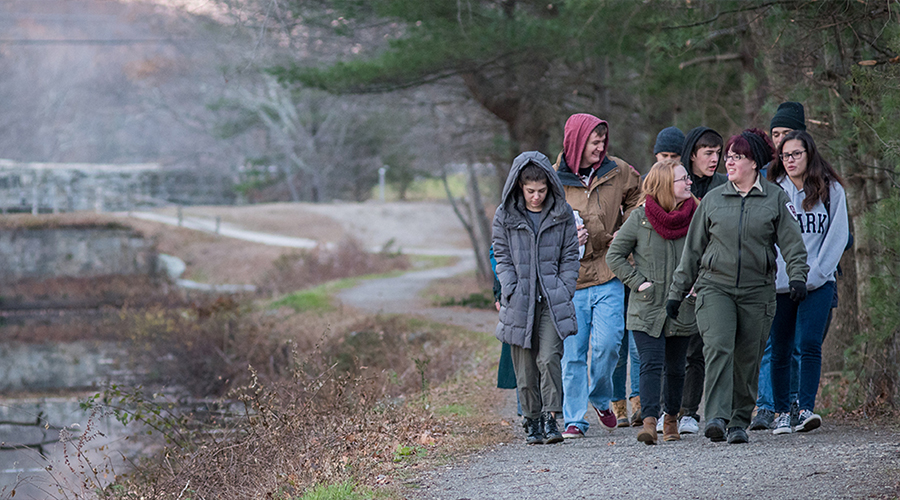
[672,308]
[798,290]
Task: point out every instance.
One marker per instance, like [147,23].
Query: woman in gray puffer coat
[536,246]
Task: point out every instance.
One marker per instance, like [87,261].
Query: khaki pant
[538,370]
[734,324]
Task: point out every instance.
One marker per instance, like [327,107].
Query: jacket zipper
[740,242]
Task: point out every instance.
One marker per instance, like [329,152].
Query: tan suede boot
[670,428]
[621,413]
[636,411]
[647,434]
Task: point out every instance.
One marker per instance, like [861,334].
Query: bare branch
[706,59]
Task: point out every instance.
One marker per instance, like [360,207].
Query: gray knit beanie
[790,115]
[669,140]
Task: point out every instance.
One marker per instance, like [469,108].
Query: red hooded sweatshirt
[577,131]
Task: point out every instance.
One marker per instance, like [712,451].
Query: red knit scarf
[670,225]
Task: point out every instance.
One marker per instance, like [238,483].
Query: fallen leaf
[868,62]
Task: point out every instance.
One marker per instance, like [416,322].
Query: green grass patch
[315,299]
[432,188]
[431,261]
[455,409]
[483,300]
[343,491]
[404,452]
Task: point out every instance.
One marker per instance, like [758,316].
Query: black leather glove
[798,290]
[672,307]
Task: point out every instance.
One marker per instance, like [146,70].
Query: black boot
[551,431]
[533,432]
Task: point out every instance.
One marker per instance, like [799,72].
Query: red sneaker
[607,419]
[572,432]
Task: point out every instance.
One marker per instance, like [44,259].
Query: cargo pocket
[701,315]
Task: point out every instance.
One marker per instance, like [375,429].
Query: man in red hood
[603,190]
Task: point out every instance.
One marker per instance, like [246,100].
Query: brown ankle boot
[647,434]
[618,408]
[670,428]
[636,419]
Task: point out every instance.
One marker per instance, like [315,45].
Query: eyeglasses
[796,155]
[734,157]
[686,178]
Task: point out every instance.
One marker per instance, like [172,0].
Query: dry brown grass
[75,220]
[289,219]
[368,399]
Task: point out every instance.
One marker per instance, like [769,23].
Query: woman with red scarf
[654,235]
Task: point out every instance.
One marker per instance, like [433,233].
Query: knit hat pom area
[790,115]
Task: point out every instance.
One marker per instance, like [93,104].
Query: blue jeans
[765,400]
[628,349]
[802,324]
[601,326]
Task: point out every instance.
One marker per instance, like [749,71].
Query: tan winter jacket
[614,191]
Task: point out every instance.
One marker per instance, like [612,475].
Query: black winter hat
[669,140]
[789,114]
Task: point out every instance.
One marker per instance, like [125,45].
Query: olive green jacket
[731,241]
[655,259]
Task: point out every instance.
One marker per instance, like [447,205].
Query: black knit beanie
[759,149]
[789,114]
[669,140]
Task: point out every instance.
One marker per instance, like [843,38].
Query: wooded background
[305,100]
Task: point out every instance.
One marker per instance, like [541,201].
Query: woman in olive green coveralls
[729,259]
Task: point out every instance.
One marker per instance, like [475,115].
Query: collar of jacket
[729,190]
[569,178]
[516,217]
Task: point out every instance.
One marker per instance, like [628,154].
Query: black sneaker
[533,432]
[737,435]
[715,429]
[795,413]
[551,430]
[808,421]
[763,420]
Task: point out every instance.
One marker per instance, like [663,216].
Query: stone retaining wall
[83,252]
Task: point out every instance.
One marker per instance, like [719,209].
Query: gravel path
[834,461]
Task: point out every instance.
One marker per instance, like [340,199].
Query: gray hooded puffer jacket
[526,260]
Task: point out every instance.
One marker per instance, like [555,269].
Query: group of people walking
[705,271]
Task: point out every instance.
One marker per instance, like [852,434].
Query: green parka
[731,241]
[655,260]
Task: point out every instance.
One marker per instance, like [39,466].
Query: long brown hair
[819,173]
[660,184]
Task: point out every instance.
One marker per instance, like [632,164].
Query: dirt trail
[835,461]
[402,295]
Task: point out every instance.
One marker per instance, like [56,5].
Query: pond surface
[51,448]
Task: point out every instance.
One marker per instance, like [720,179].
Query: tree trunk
[482,227]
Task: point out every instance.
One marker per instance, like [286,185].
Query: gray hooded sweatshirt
[825,231]
[534,265]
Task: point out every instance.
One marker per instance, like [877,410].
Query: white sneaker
[688,425]
[783,424]
[659,423]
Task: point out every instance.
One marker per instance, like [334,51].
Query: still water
[52,449]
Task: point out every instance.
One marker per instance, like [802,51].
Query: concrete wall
[70,365]
[53,253]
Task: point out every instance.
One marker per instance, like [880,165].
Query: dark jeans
[694,373]
[806,321]
[656,352]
